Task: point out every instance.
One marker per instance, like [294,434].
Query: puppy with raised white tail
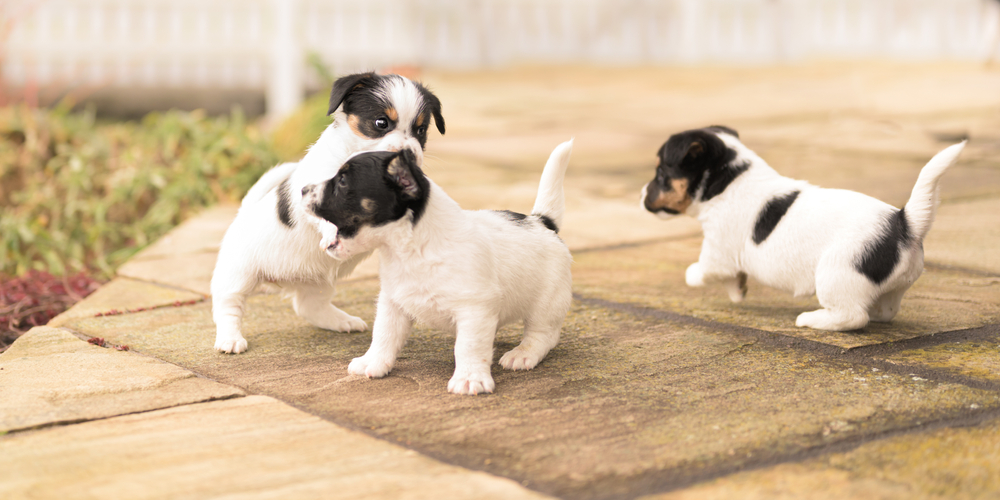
[857,254]
[469,272]
[273,239]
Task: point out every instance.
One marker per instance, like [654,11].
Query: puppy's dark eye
[381,123]
[342,183]
[421,130]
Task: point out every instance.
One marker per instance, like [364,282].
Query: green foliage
[80,195]
[293,136]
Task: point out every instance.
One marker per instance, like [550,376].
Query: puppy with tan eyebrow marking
[272,239]
[857,254]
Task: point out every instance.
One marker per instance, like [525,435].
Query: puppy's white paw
[353,324]
[519,358]
[695,275]
[339,321]
[470,382]
[370,367]
[836,321]
[230,344]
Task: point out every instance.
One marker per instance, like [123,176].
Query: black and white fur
[469,272]
[273,239]
[857,254]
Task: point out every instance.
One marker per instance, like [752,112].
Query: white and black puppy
[857,254]
[469,272]
[273,239]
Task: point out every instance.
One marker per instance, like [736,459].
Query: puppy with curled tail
[468,272]
[857,254]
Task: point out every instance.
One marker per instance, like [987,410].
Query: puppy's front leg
[327,231]
[475,332]
[698,275]
[392,327]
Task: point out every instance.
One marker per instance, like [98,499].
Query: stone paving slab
[252,447]
[960,463]
[622,403]
[124,294]
[978,358]
[653,275]
[49,376]
[967,235]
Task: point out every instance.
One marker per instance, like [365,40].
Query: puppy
[857,254]
[470,272]
[273,239]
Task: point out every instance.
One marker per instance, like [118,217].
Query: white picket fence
[262,44]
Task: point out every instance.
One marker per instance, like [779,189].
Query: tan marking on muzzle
[368,204]
[675,199]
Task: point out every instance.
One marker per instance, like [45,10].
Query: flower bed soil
[35,298]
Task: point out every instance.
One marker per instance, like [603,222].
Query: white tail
[924,199]
[551,202]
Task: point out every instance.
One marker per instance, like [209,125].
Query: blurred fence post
[285,81]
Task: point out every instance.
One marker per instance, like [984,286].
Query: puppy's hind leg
[541,331]
[845,296]
[313,303]
[887,306]
[540,336]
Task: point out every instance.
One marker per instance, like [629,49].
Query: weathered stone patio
[655,389]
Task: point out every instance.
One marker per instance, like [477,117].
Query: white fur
[814,248]
[470,272]
[257,247]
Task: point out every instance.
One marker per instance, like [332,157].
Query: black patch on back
[771,214]
[882,255]
[512,216]
[523,220]
[285,204]
[549,223]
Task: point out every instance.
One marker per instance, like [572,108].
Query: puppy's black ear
[685,149]
[404,172]
[344,85]
[434,106]
[694,150]
[724,129]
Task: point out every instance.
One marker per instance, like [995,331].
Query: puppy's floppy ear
[344,85]
[694,150]
[685,149]
[403,171]
[434,106]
